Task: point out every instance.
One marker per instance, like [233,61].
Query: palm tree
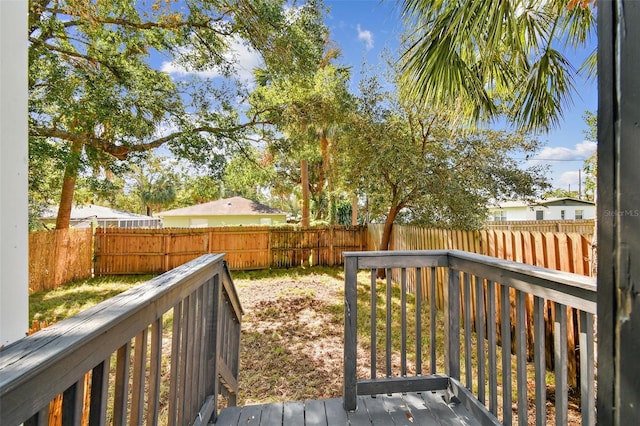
[486,58]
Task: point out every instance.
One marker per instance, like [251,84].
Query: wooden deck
[426,408]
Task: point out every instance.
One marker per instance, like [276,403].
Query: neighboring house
[548,209]
[225,212]
[98,216]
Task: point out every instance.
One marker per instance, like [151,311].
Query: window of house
[499,215]
[579,214]
[539,214]
[562,214]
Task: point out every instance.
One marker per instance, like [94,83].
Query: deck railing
[480,339]
[175,338]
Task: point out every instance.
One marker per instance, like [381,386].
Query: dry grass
[292,332]
[292,338]
[291,345]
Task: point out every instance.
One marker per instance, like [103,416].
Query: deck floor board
[412,409]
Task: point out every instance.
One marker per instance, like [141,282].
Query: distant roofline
[234,206]
[538,202]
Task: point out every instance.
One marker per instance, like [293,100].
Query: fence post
[332,253]
[165,243]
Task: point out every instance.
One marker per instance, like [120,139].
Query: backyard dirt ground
[292,338]
[291,344]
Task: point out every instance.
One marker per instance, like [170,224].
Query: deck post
[618,212]
[215,339]
[350,332]
[452,325]
[14,267]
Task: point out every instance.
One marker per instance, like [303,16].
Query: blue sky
[362,29]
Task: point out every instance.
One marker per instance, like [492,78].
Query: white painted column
[14,268]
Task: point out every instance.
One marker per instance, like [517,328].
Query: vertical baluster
[403,322]
[480,324]
[201,350]
[216,295]
[139,370]
[521,359]
[198,379]
[99,393]
[452,325]
[432,325]
[155,371]
[72,403]
[123,361]
[41,418]
[560,361]
[388,326]
[418,321]
[176,337]
[587,391]
[492,345]
[186,367]
[505,322]
[539,360]
[374,308]
[466,295]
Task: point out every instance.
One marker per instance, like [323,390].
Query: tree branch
[176,24]
[73,54]
[122,151]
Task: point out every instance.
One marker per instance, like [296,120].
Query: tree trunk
[354,210]
[304,177]
[386,235]
[323,174]
[68,187]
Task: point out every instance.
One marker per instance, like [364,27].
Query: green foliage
[343,213]
[560,193]
[590,166]
[69,299]
[488,58]
[415,162]
[248,175]
[307,108]
[196,189]
[90,82]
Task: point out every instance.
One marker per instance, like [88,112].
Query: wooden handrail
[487,301]
[55,360]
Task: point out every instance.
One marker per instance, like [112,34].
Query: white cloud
[580,152]
[366,37]
[568,180]
[244,58]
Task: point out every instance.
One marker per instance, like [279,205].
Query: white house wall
[550,212]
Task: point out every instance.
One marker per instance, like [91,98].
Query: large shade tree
[94,99]
[413,163]
[308,110]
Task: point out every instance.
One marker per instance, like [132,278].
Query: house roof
[542,202]
[92,211]
[223,207]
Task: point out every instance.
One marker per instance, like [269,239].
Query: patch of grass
[68,300]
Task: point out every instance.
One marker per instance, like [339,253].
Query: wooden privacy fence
[557,251]
[59,256]
[580,226]
[138,251]
[553,250]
